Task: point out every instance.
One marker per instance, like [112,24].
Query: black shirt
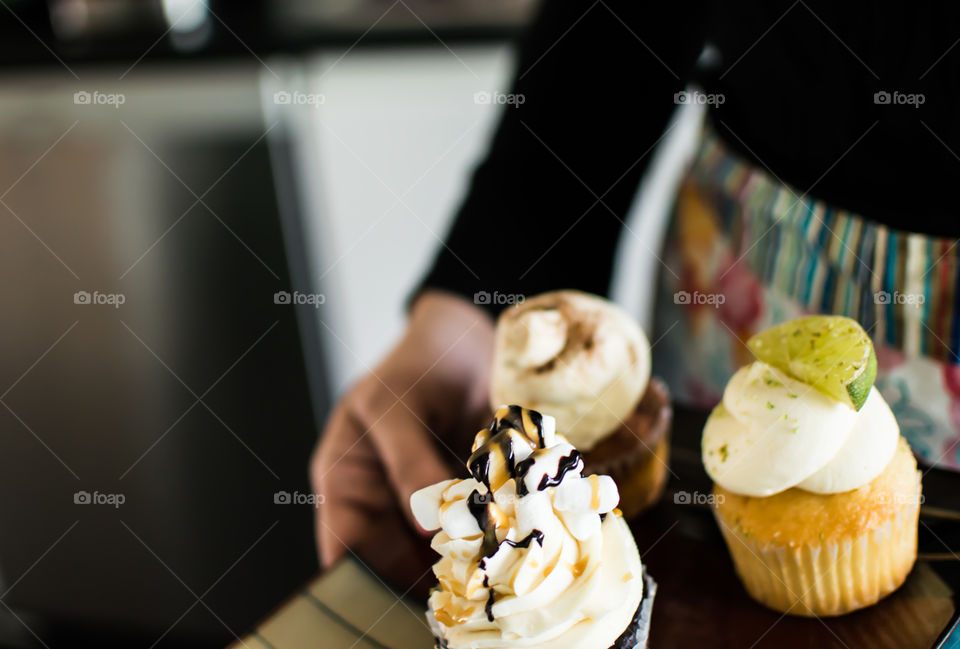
[598,83]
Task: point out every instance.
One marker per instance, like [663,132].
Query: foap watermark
[885,297]
[698,298]
[699,98]
[97,98]
[485,297]
[297,498]
[311,299]
[297,98]
[897,98]
[898,498]
[502,500]
[499,98]
[97,498]
[697,498]
[485,498]
[98,298]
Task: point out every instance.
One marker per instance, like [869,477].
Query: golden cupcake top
[800,518]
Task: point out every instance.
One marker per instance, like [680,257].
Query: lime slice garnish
[830,353]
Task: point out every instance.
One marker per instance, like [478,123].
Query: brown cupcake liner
[636,455]
[637,633]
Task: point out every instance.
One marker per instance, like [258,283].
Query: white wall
[384,162]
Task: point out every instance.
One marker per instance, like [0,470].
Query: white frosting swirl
[772,432]
[535,565]
[575,355]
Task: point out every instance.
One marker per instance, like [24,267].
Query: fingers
[346,476]
[406,446]
[396,553]
[388,546]
[378,448]
[359,513]
[329,549]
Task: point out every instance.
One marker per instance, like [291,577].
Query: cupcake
[816,493]
[532,553]
[585,361]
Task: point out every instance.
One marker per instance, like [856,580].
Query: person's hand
[402,427]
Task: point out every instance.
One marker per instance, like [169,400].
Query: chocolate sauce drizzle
[479,462]
[566,464]
[513,418]
[495,443]
[479,506]
[535,535]
[488,607]
[497,438]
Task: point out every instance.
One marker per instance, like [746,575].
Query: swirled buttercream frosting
[575,355]
[532,552]
[772,432]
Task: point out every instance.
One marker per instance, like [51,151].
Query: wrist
[442,318]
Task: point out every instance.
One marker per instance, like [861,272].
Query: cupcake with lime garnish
[816,493]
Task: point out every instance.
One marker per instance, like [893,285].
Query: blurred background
[211,214]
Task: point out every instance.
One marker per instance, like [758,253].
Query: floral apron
[745,252]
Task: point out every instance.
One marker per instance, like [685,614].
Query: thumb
[409,452]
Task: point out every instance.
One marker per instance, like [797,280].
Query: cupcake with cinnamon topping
[587,362]
[532,552]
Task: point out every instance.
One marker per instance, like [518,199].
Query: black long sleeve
[546,206]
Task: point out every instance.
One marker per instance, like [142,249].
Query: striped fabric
[745,251]
[901,286]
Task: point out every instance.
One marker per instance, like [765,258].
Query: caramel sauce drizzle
[492,461]
[581,565]
[450,614]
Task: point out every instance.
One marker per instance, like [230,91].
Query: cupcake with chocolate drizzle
[532,552]
[587,362]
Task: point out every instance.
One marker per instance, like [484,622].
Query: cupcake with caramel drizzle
[532,553]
